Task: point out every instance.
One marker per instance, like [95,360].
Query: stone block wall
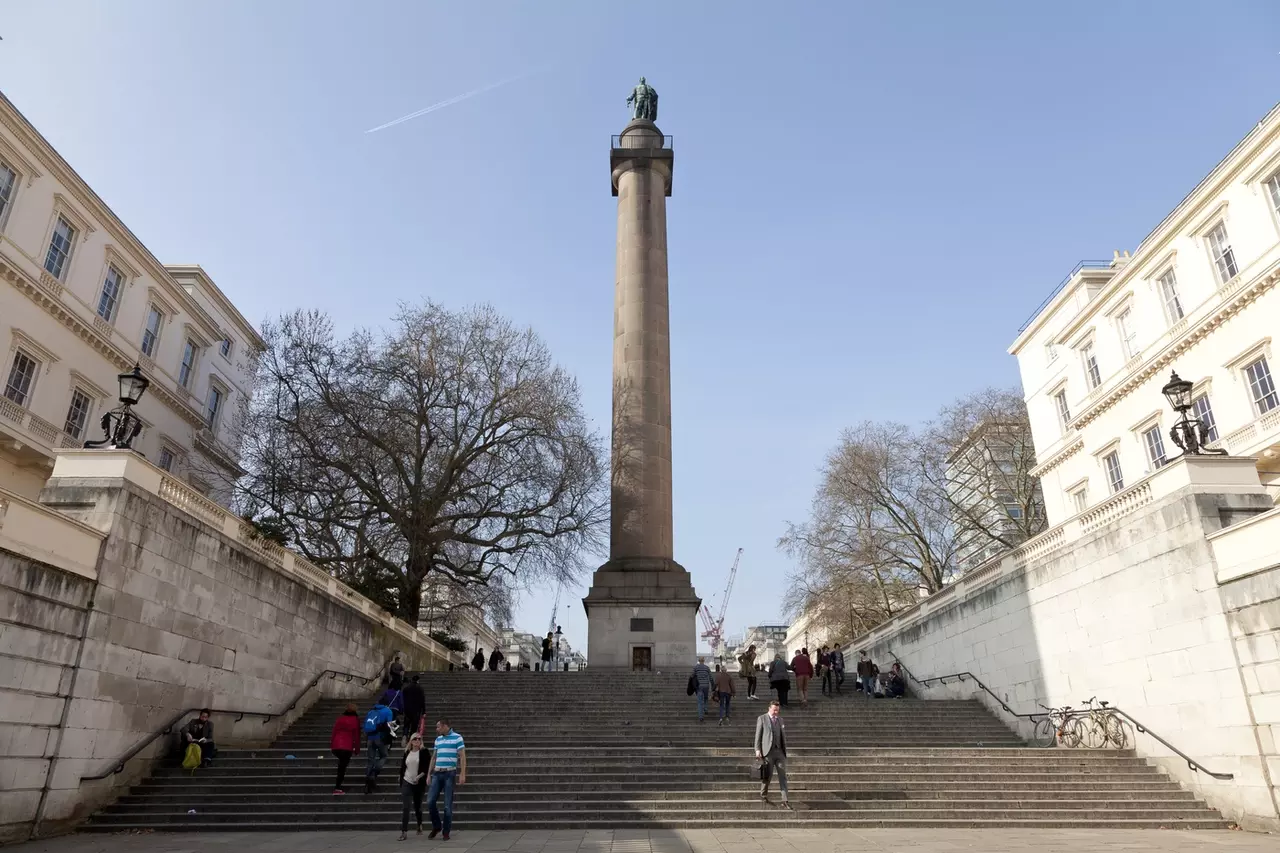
[1130,612]
[42,618]
[171,615]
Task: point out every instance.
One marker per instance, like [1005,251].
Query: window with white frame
[213,406]
[58,258]
[1169,296]
[1262,388]
[22,378]
[1124,325]
[109,301]
[1153,443]
[1200,406]
[151,332]
[188,367]
[1064,412]
[1224,259]
[1080,499]
[1273,192]
[1050,353]
[8,180]
[1092,373]
[225,347]
[78,413]
[1111,467]
[165,460]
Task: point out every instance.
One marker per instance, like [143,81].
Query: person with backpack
[701,681]
[780,678]
[344,742]
[379,731]
[200,732]
[837,666]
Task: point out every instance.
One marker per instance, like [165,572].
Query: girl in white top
[413,784]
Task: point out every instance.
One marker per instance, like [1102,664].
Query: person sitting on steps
[200,732]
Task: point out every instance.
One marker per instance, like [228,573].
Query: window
[1092,375]
[188,366]
[1261,386]
[166,459]
[8,178]
[151,333]
[1111,465]
[22,376]
[110,299]
[1064,413]
[1050,353]
[1273,191]
[1223,258]
[1080,499]
[1169,293]
[1154,443]
[78,414]
[1203,411]
[55,260]
[225,347]
[213,407]
[1124,325]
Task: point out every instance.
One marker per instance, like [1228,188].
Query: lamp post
[1189,433]
[557,660]
[121,426]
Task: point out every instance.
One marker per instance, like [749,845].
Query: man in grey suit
[771,751]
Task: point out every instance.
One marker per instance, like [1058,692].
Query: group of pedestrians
[496,659]
[419,776]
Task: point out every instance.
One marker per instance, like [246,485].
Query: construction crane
[715,626]
[555,609]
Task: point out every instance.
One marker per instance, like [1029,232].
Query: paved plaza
[680,841]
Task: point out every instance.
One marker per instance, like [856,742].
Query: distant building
[521,649]
[453,609]
[997,505]
[769,640]
[804,632]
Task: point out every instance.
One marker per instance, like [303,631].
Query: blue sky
[868,201]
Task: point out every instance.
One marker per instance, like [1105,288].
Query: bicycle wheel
[1071,733]
[1091,733]
[1116,735]
[1046,733]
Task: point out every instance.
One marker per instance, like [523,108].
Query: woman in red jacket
[803,668]
[345,742]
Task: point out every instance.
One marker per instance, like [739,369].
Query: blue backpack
[371,722]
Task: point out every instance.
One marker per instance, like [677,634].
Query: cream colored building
[1199,297]
[82,300]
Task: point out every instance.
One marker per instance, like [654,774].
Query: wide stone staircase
[588,750]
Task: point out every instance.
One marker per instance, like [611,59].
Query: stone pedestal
[641,608]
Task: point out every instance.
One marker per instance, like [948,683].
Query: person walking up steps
[378,729]
[771,751]
[837,664]
[802,666]
[413,781]
[344,742]
[548,643]
[747,666]
[448,768]
[415,705]
[702,683]
[724,692]
[780,678]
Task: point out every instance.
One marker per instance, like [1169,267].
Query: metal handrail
[117,766]
[1138,726]
[1083,265]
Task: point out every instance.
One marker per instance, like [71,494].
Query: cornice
[1072,448]
[85,332]
[214,451]
[21,163]
[1241,300]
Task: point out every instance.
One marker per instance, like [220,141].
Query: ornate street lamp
[1189,433]
[121,426]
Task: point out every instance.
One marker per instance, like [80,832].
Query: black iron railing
[1036,717]
[1083,265]
[118,765]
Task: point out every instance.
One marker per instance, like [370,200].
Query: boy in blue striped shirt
[448,767]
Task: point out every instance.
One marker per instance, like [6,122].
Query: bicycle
[1059,726]
[1102,726]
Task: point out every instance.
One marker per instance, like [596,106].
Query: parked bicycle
[1101,727]
[1060,727]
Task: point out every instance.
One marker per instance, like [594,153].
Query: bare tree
[449,444]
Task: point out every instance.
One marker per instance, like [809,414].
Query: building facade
[769,640]
[1198,297]
[996,503]
[83,300]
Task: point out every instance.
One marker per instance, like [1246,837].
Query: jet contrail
[451,101]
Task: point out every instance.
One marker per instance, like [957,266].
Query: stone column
[641,473]
[641,608]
